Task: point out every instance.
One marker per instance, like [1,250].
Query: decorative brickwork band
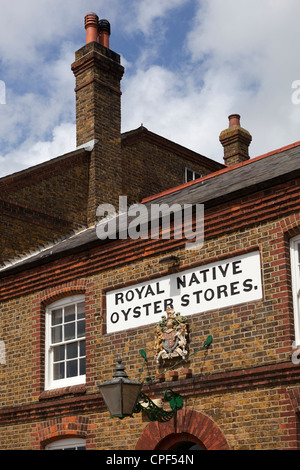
[100,82]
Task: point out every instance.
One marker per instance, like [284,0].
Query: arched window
[67,444]
[65,343]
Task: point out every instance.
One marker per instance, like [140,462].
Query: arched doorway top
[158,435]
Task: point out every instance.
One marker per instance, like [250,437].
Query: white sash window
[295,267]
[65,343]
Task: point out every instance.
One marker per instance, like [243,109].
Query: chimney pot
[91,26]
[104,33]
[234,120]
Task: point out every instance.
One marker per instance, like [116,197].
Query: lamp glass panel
[130,393]
[120,398]
[112,397]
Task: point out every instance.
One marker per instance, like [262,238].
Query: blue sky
[188,65]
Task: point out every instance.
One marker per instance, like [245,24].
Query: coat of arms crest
[171,336]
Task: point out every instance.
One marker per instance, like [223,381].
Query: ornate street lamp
[120,393]
[124,396]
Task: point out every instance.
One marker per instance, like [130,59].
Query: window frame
[66,444]
[295,271]
[50,382]
[194,173]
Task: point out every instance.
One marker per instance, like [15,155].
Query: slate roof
[224,185]
[237,180]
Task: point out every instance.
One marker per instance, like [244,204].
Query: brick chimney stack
[235,141]
[98,74]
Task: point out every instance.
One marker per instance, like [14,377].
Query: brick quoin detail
[59,428]
[188,425]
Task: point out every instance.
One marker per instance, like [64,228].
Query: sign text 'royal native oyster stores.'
[216,285]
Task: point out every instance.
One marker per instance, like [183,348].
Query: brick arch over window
[191,425]
[60,428]
[51,295]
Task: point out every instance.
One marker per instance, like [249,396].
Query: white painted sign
[216,285]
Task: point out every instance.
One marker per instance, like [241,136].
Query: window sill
[59,392]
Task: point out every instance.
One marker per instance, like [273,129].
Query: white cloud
[38,40]
[27,26]
[236,56]
[252,47]
[145,12]
[31,153]
[177,109]
[242,58]
[33,115]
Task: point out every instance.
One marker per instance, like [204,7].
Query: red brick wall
[244,382]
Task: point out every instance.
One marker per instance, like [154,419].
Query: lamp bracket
[154,412]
